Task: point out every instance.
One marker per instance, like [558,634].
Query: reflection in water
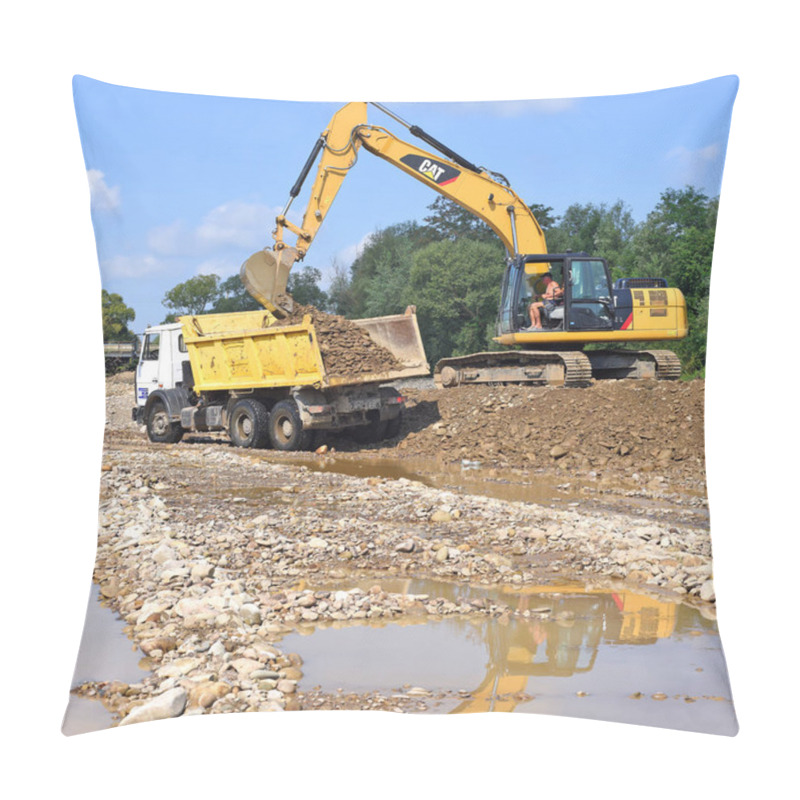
[585,653]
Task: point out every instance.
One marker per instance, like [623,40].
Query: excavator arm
[266,273]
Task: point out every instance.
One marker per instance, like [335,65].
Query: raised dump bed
[251,350]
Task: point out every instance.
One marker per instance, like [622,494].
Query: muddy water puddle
[106,654]
[566,650]
[468,476]
[472,477]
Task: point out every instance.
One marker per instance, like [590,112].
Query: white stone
[250,614]
[170,704]
[164,553]
[316,543]
[707,591]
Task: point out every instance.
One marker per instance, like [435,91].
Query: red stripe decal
[626,324]
[444,183]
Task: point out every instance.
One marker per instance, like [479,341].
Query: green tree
[233,296]
[303,286]
[448,220]
[341,299]
[116,316]
[456,288]
[379,274]
[600,230]
[192,296]
[680,213]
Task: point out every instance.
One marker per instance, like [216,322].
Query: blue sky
[188,184]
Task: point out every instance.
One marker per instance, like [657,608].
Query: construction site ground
[212,554]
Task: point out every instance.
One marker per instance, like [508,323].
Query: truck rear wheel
[249,424]
[286,428]
[159,426]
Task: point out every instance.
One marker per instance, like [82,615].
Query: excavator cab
[587,303]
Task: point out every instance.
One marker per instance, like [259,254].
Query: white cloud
[239,225]
[170,240]
[218,244]
[347,255]
[516,108]
[103,196]
[700,167]
[131,266]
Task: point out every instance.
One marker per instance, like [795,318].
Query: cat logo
[440,174]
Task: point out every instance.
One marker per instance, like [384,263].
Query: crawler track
[668,365]
[569,368]
[515,366]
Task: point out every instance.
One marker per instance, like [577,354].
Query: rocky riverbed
[211,555]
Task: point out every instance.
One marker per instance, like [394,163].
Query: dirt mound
[347,349]
[645,427]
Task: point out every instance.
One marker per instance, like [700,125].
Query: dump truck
[271,383]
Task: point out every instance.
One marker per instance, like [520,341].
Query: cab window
[152,343]
[590,296]
[589,280]
[508,312]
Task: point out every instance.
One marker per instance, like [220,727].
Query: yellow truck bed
[244,350]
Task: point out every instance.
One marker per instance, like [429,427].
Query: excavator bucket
[265,275]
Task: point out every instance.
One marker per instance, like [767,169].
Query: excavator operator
[552,297]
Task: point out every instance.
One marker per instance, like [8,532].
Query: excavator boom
[266,273]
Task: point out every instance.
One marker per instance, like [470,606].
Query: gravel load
[347,349]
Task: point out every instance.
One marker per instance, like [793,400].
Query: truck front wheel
[286,428]
[249,424]
[159,426]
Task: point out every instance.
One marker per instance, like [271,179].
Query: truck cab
[161,361]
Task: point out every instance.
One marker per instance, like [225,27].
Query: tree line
[450,266]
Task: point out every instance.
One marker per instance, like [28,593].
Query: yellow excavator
[588,307]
